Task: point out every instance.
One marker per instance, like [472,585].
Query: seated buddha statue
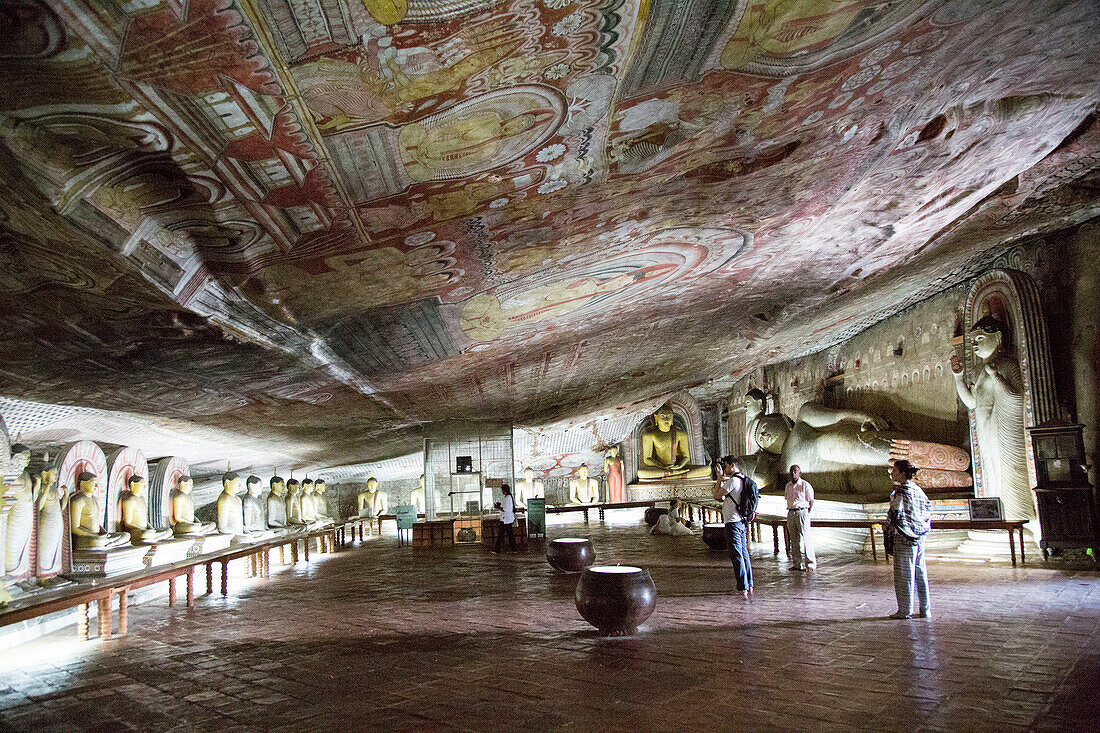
[372,502]
[528,488]
[582,489]
[255,512]
[321,502]
[231,511]
[20,494]
[416,496]
[181,512]
[294,503]
[85,518]
[276,504]
[665,451]
[133,514]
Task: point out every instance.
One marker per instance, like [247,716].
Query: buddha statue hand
[956,364]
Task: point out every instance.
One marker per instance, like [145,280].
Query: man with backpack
[739,496]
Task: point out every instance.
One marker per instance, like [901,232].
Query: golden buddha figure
[372,502]
[21,489]
[665,451]
[320,503]
[466,143]
[51,523]
[133,514]
[85,518]
[528,488]
[181,512]
[584,490]
[416,496]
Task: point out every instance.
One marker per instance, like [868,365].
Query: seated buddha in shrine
[85,518]
[133,514]
[664,453]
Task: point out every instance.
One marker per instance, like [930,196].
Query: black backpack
[750,497]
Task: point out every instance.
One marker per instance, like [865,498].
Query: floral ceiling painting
[324,223]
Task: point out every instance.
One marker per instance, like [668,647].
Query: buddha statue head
[529,475]
[613,452]
[293,487]
[184,484]
[664,418]
[49,478]
[372,484]
[755,402]
[278,486]
[20,459]
[135,484]
[253,486]
[582,472]
[987,337]
[86,483]
[771,431]
[319,487]
[307,487]
[231,483]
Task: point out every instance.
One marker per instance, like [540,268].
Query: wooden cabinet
[1067,518]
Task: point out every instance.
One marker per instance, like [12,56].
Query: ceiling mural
[324,223]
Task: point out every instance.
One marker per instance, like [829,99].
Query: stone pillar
[1085,313]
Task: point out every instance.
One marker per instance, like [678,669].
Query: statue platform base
[209,543]
[100,563]
[687,488]
[167,552]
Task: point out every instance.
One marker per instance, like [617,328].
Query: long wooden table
[101,591]
[601,508]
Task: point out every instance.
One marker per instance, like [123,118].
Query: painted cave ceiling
[325,223]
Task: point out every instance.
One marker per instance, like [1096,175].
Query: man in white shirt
[727,489]
[800,500]
[507,508]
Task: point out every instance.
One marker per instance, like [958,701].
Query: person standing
[728,489]
[911,518]
[800,500]
[507,508]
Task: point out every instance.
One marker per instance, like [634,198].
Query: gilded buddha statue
[181,512]
[665,451]
[133,513]
[85,518]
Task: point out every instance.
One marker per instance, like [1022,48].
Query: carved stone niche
[688,417]
[1012,298]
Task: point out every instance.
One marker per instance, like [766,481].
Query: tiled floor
[388,638]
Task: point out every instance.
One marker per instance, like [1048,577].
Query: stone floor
[387,638]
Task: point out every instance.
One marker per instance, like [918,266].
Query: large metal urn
[714,535]
[616,599]
[570,554]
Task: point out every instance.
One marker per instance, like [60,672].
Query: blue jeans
[737,539]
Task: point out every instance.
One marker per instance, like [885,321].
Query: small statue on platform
[294,503]
[133,512]
[21,489]
[416,496]
[181,512]
[997,399]
[231,512]
[613,469]
[665,453]
[51,523]
[584,490]
[372,502]
[528,488]
[85,521]
[320,503]
[255,519]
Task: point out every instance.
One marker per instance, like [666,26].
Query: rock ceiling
[326,222]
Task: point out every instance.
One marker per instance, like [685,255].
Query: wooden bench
[101,591]
[601,508]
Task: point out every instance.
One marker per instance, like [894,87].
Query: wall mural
[324,223]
